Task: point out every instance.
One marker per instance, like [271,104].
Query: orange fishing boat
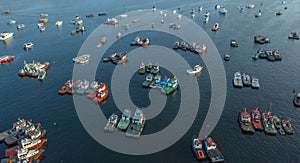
[101,96]
[67,87]
[256,119]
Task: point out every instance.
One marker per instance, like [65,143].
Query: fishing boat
[237,80]
[121,58]
[11,152]
[269,127]
[42,75]
[45,21]
[293,35]
[138,122]
[20,26]
[155,69]
[223,10]
[156,81]
[82,59]
[59,23]
[297,99]
[245,122]
[6,35]
[215,27]
[28,45]
[140,42]
[13,139]
[110,58]
[101,96]
[250,6]
[277,122]
[256,119]
[6,59]
[16,129]
[66,87]
[255,83]
[112,122]
[233,43]
[197,69]
[270,55]
[287,126]
[142,68]
[111,21]
[32,144]
[198,48]
[24,154]
[147,82]
[125,120]
[246,79]
[277,55]
[261,39]
[198,149]
[171,87]
[226,57]
[212,151]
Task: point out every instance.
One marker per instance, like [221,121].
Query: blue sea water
[69,142]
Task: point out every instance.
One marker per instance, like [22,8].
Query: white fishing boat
[255,83]
[59,23]
[197,69]
[28,45]
[20,26]
[237,80]
[82,59]
[42,28]
[6,35]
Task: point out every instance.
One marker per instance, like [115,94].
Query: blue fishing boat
[198,149]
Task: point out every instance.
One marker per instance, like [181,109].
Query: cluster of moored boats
[206,148]
[34,69]
[154,79]
[257,120]
[132,125]
[26,142]
[93,90]
[244,80]
[193,47]
[270,55]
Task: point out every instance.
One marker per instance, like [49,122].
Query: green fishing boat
[125,120]
[171,87]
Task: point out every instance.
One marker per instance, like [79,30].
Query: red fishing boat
[101,96]
[67,87]
[11,152]
[256,119]
[6,59]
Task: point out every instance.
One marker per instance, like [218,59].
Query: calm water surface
[69,142]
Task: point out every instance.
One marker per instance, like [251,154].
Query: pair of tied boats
[265,121]
[206,148]
[26,141]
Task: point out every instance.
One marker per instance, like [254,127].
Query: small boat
[205,19]
[122,16]
[140,42]
[270,55]
[89,15]
[250,6]
[20,26]
[197,69]
[6,35]
[147,82]
[59,23]
[297,99]
[237,80]
[28,45]
[119,35]
[212,151]
[42,75]
[45,21]
[111,21]
[259,14]
[198,48]
[109,58]
[155,69]
[121,58]
[223,10]
[255,83]
[287,126]
[261,39]
[278,13]
[215,27]
[277,55]
[102,14]
[42,28]
[10,22]
[7,12]
[138,122]
[246,79]
[217,6]
[82,59]
[6,59]
[256,119]
[198,149]
[112,122]
[233,43]
[226,57]
[171,86]
[293,35]
[142,68]
[43,15]
[125,120]
[136,20]
[245,121]
[277,122]
[269,127]
[174,26]
[40,25]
